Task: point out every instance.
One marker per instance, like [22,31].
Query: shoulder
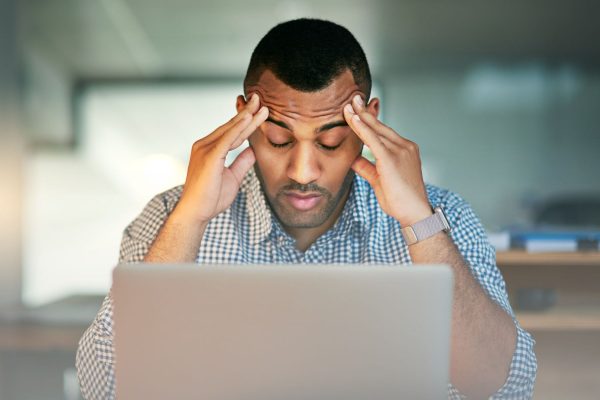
[166,200]
[466,225]
[454,205]
[152,217]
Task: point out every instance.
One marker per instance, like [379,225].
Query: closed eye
[323,146]
[279,145]
[329,148]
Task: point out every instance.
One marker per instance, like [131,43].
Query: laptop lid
[282,331]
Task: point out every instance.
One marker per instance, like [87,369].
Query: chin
[302,219]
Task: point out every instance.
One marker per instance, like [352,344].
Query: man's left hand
[396,176]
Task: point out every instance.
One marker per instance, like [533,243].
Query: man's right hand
[210,187]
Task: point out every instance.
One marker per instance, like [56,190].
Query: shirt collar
[260,218]
[353,220]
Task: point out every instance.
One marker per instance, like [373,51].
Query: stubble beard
[292,218]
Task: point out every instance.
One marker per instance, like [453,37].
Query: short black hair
[308,54]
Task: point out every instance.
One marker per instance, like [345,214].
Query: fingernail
[254,97]
[348,107]
[358,100]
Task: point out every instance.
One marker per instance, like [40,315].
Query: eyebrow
[327,126]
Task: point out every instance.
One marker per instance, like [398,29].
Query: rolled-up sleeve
[95,357]
[470,238]
[95,354]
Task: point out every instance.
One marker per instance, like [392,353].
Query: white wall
[498,139]
[11,159]
[135,143]
[501,137]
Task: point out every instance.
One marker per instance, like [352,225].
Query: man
[302,193]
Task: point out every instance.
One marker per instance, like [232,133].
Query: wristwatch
[426,227]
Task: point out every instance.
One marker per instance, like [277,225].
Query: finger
[251,108]
[223,143]
[375,124]
[366,169]
[391,145]
[366,134]
[259,118]
[234,137]
[242,164]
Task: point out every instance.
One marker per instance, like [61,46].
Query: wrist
[417,214]
[426,227]
[178,240]
[184,215]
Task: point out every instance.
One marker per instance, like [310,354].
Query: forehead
[286,102]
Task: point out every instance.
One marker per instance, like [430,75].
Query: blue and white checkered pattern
[248,233]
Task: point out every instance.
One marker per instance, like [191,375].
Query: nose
[304,166]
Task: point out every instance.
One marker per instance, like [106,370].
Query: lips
[303,202]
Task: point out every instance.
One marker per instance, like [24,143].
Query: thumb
[366,169]
[242,164]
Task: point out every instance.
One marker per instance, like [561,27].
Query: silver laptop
[282,332]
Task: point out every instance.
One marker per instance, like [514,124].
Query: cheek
[356,144]
[271,164]
[349,151]
[337,165]
[262,149]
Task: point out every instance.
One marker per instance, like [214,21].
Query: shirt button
[280,240]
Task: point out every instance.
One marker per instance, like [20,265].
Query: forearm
[483,334]
[178,240]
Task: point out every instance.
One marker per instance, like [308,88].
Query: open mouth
[303,201]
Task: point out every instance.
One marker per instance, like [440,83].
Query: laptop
[285,332]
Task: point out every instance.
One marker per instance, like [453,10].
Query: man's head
[308,54]
[305,71]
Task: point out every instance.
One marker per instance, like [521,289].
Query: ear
[240,103]
[373,107]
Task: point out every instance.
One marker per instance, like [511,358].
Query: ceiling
[141,38]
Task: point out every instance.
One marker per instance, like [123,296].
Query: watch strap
[427,227]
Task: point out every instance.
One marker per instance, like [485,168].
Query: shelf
[28,337]
[54,326]
[574,276]
[571,318]
[523,258]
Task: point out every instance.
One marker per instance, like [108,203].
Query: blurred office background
[101,101]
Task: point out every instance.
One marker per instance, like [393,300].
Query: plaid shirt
[247,232]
